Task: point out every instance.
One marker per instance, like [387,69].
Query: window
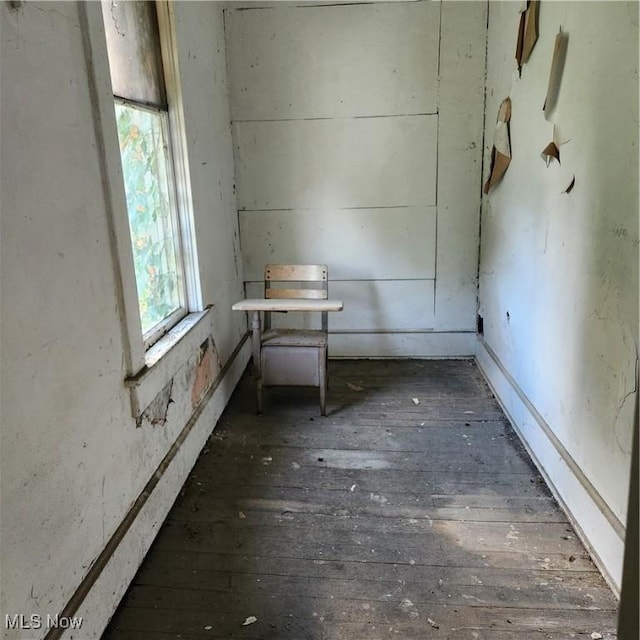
[159,239]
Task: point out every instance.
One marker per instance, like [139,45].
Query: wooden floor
[410,511]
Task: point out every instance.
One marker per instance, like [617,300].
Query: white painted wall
[72,460]
[357,133]
[565,266]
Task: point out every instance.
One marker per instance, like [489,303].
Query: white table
[257,305]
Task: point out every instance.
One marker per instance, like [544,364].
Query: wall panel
[460,122]
[402,345]
[358,143]
[356,162]
[391,243]
[369,305]
[382,60]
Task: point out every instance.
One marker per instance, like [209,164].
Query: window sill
[165,357]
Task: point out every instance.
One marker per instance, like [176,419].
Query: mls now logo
[20,621]
[36,621]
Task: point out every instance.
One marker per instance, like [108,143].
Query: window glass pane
[133,45]
[154,234]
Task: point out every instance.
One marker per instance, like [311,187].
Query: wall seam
[482,161]
[234,147]
[435,240]
[325,118]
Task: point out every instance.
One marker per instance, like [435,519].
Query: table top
[287,304]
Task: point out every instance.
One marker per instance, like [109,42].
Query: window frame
[179,151]
[178,176]
[147,367]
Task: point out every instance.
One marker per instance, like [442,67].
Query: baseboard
[99,603]
[427,344]
[599,529]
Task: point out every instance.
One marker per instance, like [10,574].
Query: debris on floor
[415,400]
[359,558]
[354,387]
[409,608]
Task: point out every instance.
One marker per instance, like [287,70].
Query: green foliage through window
[154,234]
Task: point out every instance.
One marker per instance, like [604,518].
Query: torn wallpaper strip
[552,150]
[555,75]
[527,32]
[501,151]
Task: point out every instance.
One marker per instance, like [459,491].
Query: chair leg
[323,384]
[259,394]
[326,365]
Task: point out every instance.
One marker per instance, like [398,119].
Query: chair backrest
[306,281]
[310,280]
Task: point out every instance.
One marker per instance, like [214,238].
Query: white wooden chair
[294,357]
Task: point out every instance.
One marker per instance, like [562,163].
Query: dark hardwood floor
[411,511]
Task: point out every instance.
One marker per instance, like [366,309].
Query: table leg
[255,343]
[255,340]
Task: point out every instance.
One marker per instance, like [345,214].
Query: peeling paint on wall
[527,32]
[572,184]
[569,280]
[501,151]
[206,369]
[555,74]
[156,412]
[81,427]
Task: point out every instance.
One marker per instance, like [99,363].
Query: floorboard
[411,511]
